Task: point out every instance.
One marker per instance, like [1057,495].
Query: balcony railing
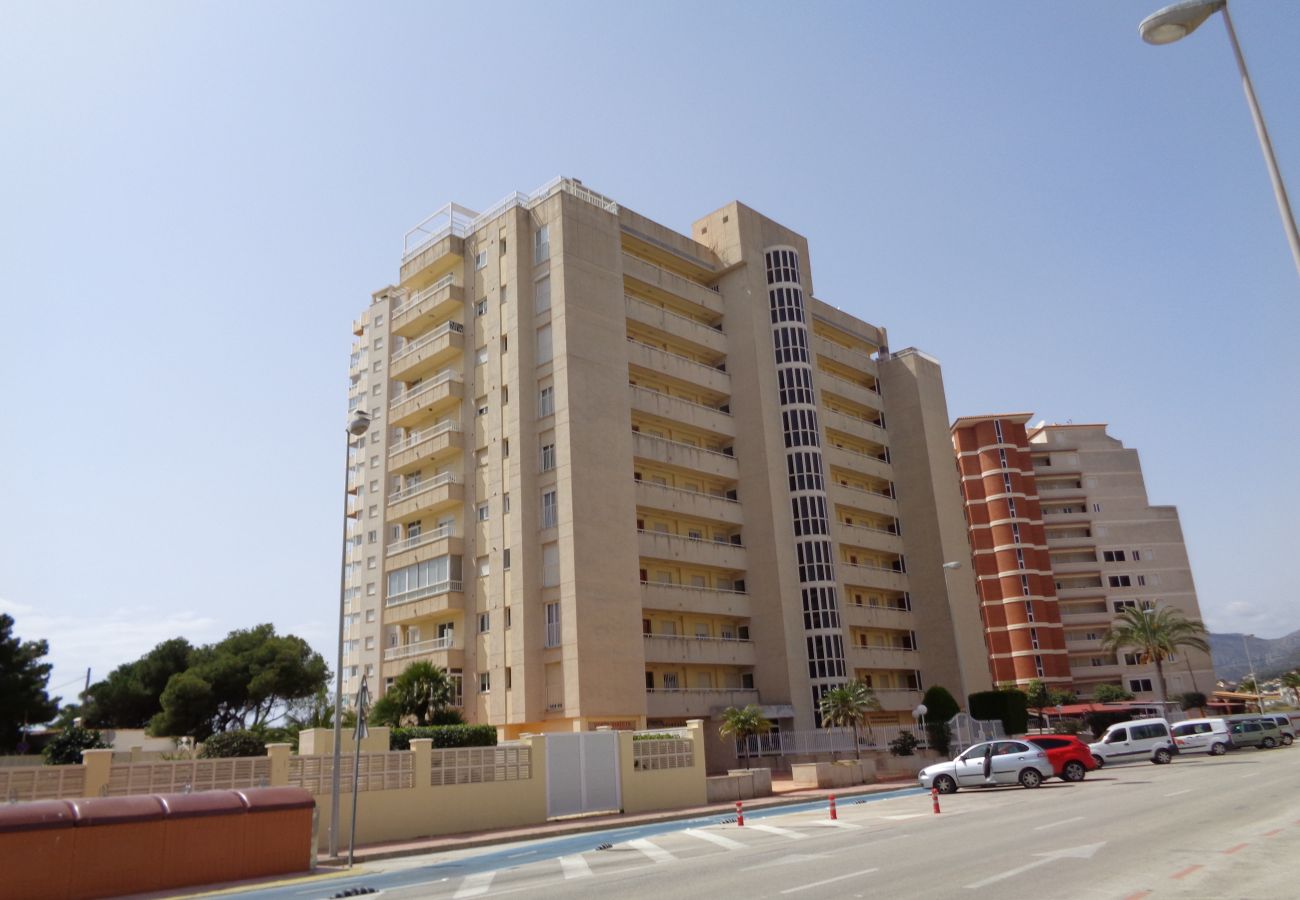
[419,648]
[427,434]
[424,537]
[429,590]
[422,486]
[657,351]
[419,344]
[443,377]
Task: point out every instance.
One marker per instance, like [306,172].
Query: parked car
[990,764]
[1070,757]
[1135,740]
[1263,734]
[1210,736]
[1284,725]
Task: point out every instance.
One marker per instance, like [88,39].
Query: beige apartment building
[619,475]
[1110,548]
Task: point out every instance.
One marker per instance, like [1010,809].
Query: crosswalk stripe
[783,832]
[575,866]
[475,884]
[831,823]
[720,840]
[654,851]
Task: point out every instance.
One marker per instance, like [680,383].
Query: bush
[656,736]
[227,744]
[904,744]
[1067,726]
[65,750]
[1009,707]
[1192,700]
[1110,693]
[940,737]
[940,705]
[444,736]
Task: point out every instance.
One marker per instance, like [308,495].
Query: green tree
[848,705]
[741,724]
[940,706]
[1155,635]
[1040,696]
[1110,693]
[235,743]
[23,679]
[1193,700]
[66,748]
[420,696]
[131,694]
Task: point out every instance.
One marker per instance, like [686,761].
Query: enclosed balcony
[426,399]
[663,364]
[676,649]
[675,325]
[687,503]
[428,496]
[684,456]
[428,353]
[695,703]
[428,308]
[700,600]
[424,602]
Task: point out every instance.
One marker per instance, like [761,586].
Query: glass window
[542,244]
[542,294]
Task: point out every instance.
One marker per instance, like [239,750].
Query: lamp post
[1259,695]
[961,668]
[1176,22]
[358,426]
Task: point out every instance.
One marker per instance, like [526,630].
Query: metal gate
[582,773]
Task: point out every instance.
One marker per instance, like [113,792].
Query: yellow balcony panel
[428,308]
[853,461]
[675,409]
[686,650]
[430,445]
[428,353]
[710,554]
[654,281]
[695,703]
[429,496]
[424,602]
[874,657]
[684,328]
[663,364]
[434,248]
[871,577]
[867,616]
[868,538]
[704,601]
[688,503]
[428,544]
[683,456]
[895,699]
[426,399]
[442,652]
[867,501]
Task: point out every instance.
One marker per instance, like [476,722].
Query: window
[375,389]
[508,679]
[373,512]
[378,365]
[480,308]
[505,395]
[1113,555]
[505,500]
[484,511]
[670,681]
[484,623]
[370,643]
[1120,581]
[507,617]
[542,244]
[372,536]
[481,456]
[553,624]
[997,430]
[371,562]
[505,450]
[1142,581]
[1139,685]
[480,259]
[550,565]
[505,558]
[483,567]
[482,406]
[1096,507]
[550,510]
[379,343]
[548,457]
[546,401]
[370,615]
[542,294]
[485,682]
[370,590]
[544,354]
[481,356]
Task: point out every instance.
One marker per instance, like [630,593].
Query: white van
[1135,740]
[1202,736]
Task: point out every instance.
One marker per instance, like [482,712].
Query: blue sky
[199,198]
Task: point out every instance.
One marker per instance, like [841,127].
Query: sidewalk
[784,793]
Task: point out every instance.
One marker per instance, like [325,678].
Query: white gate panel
[582,773]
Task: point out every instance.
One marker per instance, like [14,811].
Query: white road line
[804,887]
[905,816]
[473,885]
[575,866]
[1177,793]
[783,832]
[654,851]
[831,823]
[720,840]
[1056,824]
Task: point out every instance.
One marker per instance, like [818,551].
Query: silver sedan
[990,764]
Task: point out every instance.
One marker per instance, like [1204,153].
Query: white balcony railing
[424,537]
[419,648]
[428,434]
[416,346]
[443,377]
[429,590]
[420,487]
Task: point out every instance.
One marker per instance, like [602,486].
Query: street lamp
[1259,695]
[1176,22]
[961,668]
[358,426]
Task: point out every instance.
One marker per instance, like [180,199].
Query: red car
[1069,756]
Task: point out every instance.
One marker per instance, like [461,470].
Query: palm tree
[741,724]
[1156,635]
[848,705]
[421,692]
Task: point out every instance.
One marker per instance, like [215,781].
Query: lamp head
[952,565]
[1176,22]
[359,424]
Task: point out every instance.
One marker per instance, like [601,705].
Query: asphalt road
[1202,827]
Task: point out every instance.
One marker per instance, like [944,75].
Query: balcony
[688,503]
[424,602]
[678,326]
[426,399]
[428,353]
[1084,617]
[685,650]
[882,657]
[427,496]
[428,308]
[857,498]
[430,445]
[676,409]
[854,426]
[712,554]
[685,598]
[425,545]
[897,699]
[684,456]
[695,703]
[849,390]
[1084,669]
[872,577]
[852,359]
[854,461]
[437,243]
[877,617]
[872,538]
[442,652]
[654,280]
[663,364]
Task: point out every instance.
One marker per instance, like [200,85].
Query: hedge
[1010,707]
[444,736]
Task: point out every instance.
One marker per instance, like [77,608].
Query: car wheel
[1162,756]
[1268,743]
[1098,760]
[1074,771]
[1286,740]
[1218,749]
[945,784]
[1031,778]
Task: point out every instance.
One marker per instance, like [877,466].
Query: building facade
[622,476]
[1084,502]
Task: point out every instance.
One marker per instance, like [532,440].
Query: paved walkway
[784,793]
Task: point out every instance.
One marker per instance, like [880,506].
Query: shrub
[226,744]
[1110,693]
[65,750]
[657,736]
[444,736]
[904,744]
[940,736]
[1067,726]
[1010,707]
[940,705]
[1192,700]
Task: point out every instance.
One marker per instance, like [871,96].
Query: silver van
[1202,736]
[1135,740]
